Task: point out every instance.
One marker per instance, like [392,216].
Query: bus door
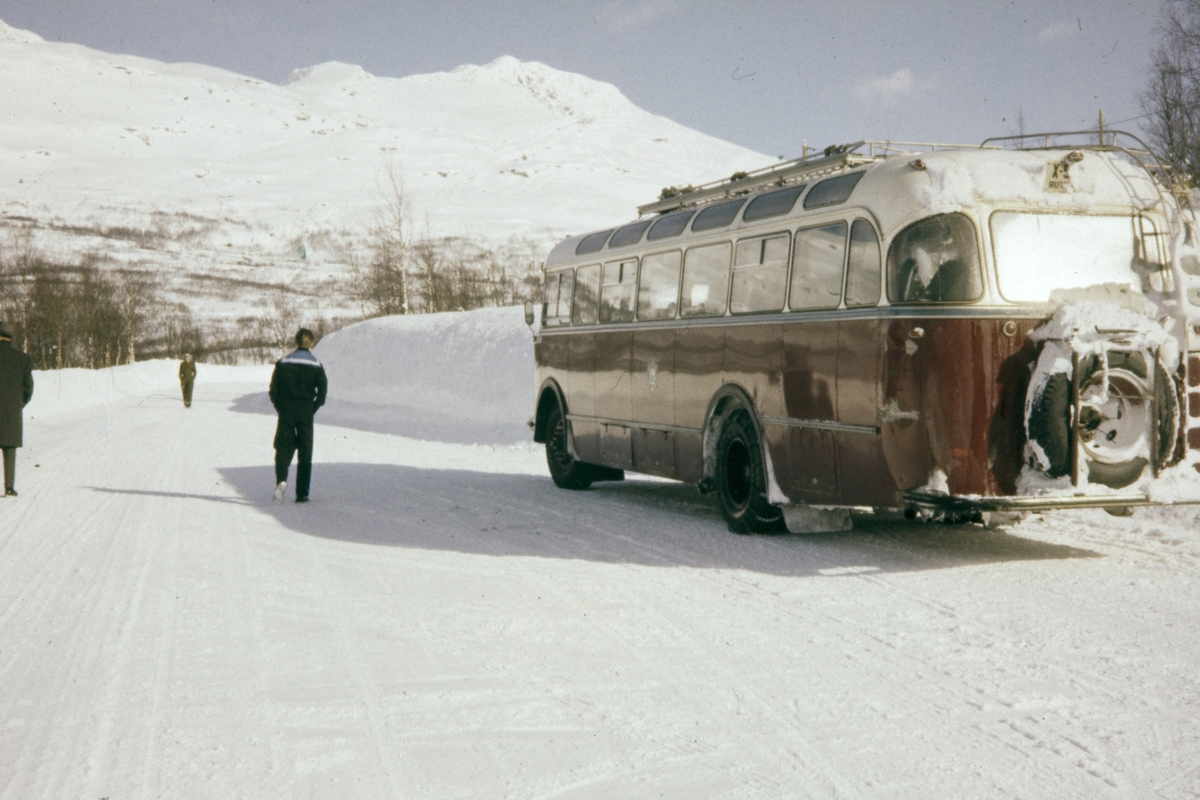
[612,352]
[653,365]
[810,361]
[699,350]
[861,365]
[754,348]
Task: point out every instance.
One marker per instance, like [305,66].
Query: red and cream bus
[948,331]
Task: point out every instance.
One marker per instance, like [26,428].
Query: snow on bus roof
[894,189]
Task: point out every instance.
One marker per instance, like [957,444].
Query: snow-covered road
[442,622]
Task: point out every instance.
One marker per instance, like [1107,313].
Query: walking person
[187,378]
[16,387]
[298,388]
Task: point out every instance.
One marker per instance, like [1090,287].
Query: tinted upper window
[670,225]
[772,204]
[593,243]
[630,234]
[832,191]
[717,216]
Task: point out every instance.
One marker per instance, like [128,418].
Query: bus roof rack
[1094,139]
[832,159]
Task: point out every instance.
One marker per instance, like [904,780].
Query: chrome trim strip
[826,315]
[625,423]
[821,425]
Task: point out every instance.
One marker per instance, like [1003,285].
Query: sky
[770,75]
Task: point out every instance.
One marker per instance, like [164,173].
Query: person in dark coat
[298,387]
[16,387]
[187,378]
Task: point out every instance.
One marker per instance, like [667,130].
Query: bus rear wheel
[566,471]
[742,479]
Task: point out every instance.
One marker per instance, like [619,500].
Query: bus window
[817,267]
[593,243]
[1039,254]
[759,274]
[935,261]
[772,204]
[705,280]
[670,225]
[566,287]
[557,305]
[618,280]
[832,191]
[717,216]
[550,295]
[587,293]
[658,286]
[630,234]
[862,276]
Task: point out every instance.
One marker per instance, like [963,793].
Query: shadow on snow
[635,522]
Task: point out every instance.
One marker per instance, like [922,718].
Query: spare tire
[1049,424]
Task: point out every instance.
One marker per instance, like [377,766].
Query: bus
[952,332]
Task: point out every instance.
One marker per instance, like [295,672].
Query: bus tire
[1050,423]
[741,479]
[566,471]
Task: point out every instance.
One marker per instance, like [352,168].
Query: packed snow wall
[453,377]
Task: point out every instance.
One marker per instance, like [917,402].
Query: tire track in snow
[47,749]
[808,761]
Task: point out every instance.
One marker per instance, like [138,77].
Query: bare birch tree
[1171,99]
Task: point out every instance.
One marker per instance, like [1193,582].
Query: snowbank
[453,377]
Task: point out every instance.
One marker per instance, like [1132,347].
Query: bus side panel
[966,380]
[699,356]
[614,396]
[974,403]
[581,396]
[904,421]
[859,376]
[957,396]
[550,354]
[653,368]
[754,361]
[810,351]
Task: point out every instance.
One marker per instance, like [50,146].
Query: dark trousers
[293,435]
[10,466]
[187,392]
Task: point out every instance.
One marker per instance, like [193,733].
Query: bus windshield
[1037,254]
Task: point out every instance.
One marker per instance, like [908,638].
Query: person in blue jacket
[298,387]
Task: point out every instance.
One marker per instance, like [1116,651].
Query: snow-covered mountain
[95,140]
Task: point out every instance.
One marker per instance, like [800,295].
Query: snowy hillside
[207,158]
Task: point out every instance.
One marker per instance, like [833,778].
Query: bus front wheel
[566,471]
[742,479]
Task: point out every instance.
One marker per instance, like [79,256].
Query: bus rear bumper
[967,505]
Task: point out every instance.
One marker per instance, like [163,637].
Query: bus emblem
[1058,176]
